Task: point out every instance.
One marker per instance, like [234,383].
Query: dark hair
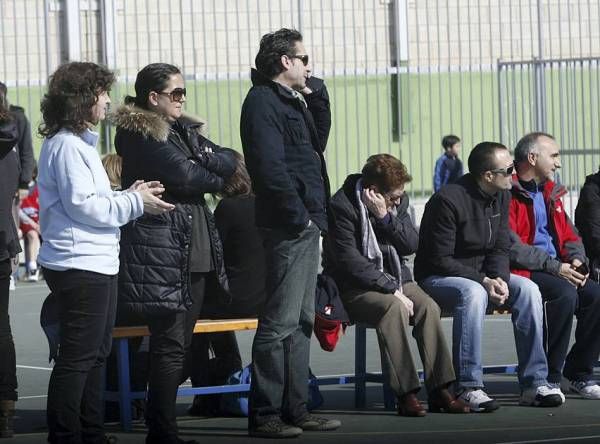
[449,141]
[4,107]
[482,156]
[152,77]
[272,46]
[527,144]
[73,91]
[239,183]
[384,171]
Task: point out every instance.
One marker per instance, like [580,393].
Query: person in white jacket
[80,218]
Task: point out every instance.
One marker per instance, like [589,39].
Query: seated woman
[245,268]
[587,220]
[370,232]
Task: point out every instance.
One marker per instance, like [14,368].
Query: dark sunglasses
[302,57]
[176,95]
[504,171]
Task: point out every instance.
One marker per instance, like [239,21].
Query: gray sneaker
[318,424]
[274,428]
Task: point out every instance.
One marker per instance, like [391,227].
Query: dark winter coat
[464,233]
[343,257]
[9,182]
[587,220]
[154,277]
[283,146]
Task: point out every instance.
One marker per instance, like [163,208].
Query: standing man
[283,147]
[462,263]
[547,249]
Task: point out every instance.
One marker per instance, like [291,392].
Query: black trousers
[171,336]
[8,364]
[561,301]
[87,305]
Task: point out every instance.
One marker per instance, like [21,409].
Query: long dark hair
[4,107]
[153,77]
[73,91]
[239,183]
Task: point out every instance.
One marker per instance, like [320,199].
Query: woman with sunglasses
[167,260]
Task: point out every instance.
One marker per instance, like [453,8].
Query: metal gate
[560,97]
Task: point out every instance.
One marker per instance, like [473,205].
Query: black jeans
[281,347]
[8,364]
[171,336]
[87,305]
[561,301]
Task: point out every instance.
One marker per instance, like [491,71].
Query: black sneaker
[317,423]
[274,428]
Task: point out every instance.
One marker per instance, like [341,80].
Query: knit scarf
[370,246]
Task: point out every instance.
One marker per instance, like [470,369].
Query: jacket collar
[471,185]
[259,79]
[142,121]
[550,189]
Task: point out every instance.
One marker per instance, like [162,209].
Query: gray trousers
[391,320]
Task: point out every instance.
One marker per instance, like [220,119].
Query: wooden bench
[124,396]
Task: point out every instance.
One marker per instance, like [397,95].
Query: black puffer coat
[154,277]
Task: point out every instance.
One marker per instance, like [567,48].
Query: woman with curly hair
[80,218]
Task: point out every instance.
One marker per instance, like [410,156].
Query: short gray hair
[527,145]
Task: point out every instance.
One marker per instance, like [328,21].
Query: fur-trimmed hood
[151,124]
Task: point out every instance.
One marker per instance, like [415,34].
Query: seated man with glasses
[462,263]
[547,249]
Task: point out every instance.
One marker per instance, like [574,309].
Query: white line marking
[34,368]
[553,440]
[32,397]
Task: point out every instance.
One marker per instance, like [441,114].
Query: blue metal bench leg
[122,345]
[360,365]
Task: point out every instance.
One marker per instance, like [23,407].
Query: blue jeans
[468,300]
[281,347]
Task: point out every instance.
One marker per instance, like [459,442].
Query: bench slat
[202,326]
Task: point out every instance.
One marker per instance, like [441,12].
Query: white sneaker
[478,400]
[587,389]
[11,286]
[542,396]
[556,385]
[33,275]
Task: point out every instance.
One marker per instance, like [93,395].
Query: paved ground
[577,421]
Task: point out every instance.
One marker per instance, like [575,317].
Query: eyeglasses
[504,171]
[392,197]
[302,57]
[176,95]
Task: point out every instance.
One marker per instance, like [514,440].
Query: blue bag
[236,404]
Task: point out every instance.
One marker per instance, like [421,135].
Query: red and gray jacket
[524,256]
